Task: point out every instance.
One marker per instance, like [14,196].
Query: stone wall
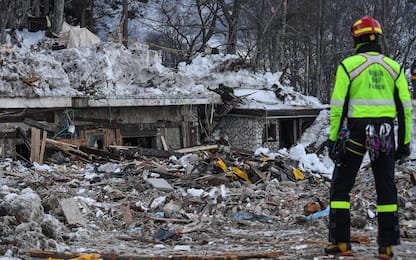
[246,133]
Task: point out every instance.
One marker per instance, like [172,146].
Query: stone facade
[247,132]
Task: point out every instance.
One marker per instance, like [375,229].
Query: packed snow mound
[105,70]
[258,90]
[318,132]
[228,70]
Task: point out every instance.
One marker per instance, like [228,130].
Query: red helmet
[366,25]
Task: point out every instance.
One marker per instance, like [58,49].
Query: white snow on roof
[109,70]
[104,70]
[258,90]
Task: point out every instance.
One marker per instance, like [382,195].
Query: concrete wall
[9,138]
[8,147]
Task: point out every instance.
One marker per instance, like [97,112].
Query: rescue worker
[370,91]
[413,77]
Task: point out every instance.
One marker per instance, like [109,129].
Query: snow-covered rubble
[24,223]
[107,70]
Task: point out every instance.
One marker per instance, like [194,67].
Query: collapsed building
[104,95]
[98,96]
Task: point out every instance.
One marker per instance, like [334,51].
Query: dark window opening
[286,134]
[22,151]
[96,141]
[270,132]
[143,142]
[306,123]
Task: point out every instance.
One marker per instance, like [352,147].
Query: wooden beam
[51,127]
[119,138]
[165,146]
[107,137]
[35,144]
[197,148]
[131,152]
[216,256]
[42,147]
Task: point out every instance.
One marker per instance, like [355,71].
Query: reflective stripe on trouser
[343,181]
[387,209]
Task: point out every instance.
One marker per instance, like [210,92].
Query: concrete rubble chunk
[160,184]
[72,213]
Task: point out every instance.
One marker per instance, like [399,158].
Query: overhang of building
[295,112]
[79,102]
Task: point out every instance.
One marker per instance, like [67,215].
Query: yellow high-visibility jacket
[371,85]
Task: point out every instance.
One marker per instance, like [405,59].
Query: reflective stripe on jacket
[377,88]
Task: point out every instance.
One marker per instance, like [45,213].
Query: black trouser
[344,178]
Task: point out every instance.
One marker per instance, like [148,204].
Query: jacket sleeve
[339,101]
[404,110]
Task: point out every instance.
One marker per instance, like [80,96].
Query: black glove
[331,150]
[402,152]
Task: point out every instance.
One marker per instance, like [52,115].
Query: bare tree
[319,68]
[46,7]
[125,24]
[58,16]
[232,15]
[186,29]
[83,12]
[35,8]
[5,12]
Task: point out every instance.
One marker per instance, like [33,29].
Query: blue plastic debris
[319,214]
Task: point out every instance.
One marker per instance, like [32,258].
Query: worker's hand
[402,152]
[331,150]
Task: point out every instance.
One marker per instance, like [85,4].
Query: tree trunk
[83,13]
[13,14]
[91,20]
[4,18]
[232,20]
[125,39]
[384,14]
[58,16]
[233,28]
[46,7]
[35,8]
[283,34]
[317,91]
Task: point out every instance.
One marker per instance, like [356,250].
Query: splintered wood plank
[197,148]
[119,138]
[165,146]
[42,147]
[35,144]
[107,137]
[72,213]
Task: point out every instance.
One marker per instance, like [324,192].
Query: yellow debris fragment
[221,164]
[240,174]
[92,256]
[298,174]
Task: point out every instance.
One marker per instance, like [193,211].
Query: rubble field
[213,204]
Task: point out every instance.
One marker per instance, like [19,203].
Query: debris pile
[213,202]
